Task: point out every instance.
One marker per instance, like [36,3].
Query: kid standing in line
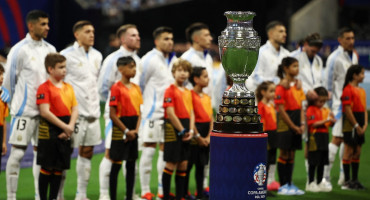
[290,123]
[199,146]
[179,129]
[265,94]
[319,118]
[125,101]
[58,110]
[4,111]
[354,125]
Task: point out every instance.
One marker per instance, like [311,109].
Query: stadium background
[108,15]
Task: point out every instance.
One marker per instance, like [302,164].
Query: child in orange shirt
[319,118]
[4,111]
[265,94]
[58,110]
[354,125]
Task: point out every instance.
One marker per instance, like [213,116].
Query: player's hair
[34,15]
[80,24]
[197,72]
[314,39]
[125,60]
[352,70]
[162,29]
[122,29]
[193,28]
[344,30]
[52,59]
[2,70]
[262,87]
[286,62]
[183,64]
[273,24]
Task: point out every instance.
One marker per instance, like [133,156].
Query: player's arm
[352,119]
[50,117]
[365,125]
[74,116]
[190,134]
[138,125]
[4,149]
[287,120]
[173,118]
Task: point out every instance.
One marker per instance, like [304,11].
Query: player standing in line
[83,65]
[26,71]
[108,75]
[155,78]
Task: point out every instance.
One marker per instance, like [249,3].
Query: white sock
[206,175]
[36,173]
[124,171]
[83,168]
[145,168]
[271,176]
[332,153]
[12,171]
[104,171]
[61,187]
[160,167]
[341,151]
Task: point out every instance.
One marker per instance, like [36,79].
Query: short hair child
[58,109]
[179,128]
[355,121]
[319,118]
[265,94]
[199,146]
[290,122]
[124,106]
[4,112]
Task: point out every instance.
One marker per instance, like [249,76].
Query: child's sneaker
[285,190]
[296,190]
[148,196]
[312,187]
[325,186]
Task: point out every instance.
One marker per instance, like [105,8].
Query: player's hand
[298,84]
[359,130]
[130,135]
[298,130]
[187,136]
[63,136]
[202,141]
[4,149]
[284,83]
[5,97]
[311,95]
[208,140]
[69,129]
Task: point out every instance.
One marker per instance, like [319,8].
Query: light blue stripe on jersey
[12,124]
[108,128]
[21,109]
[145,69]
[105,85]
[256,76]
[13,68]
[340,112]
[152,109]
[330,71]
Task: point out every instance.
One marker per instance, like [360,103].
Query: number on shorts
[21,125]
[76,128]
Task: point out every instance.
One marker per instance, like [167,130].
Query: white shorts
[87,132]
[23,130]
[337,128]
[108,133]
[152,131]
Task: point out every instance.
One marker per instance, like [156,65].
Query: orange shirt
[315,114]
[180,100]
[4,112]
[202,107]
[61,100]
[291,98]
[268,116]
[355,97]
[127,100]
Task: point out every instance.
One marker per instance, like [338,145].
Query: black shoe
[348,185]
[357,185]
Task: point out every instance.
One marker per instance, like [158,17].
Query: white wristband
[126,131]
[356,125]
[191,131]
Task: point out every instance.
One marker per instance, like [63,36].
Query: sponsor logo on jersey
[168,100]
[40,96]
[113,98]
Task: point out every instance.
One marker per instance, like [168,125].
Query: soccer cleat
[325,186]
[273,186]
[148,196]
[296,190]
[285,190]
[189,196]
[104,197]
[312,187]
[348,185]
[357,185]
[160,196]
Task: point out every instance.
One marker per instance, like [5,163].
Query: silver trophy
[239,44]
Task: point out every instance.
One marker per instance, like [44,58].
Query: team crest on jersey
[346,98]
[112,98]
[278,97]
[259,174]
[168,100]
[312,117]
[40,96]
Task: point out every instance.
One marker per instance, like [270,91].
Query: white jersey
[109,73]
[310,73]
[156,77]
[267,65]
[25,71]
[82,73]
[200,59]
[335,72]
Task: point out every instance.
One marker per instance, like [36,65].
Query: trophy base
[238,128]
